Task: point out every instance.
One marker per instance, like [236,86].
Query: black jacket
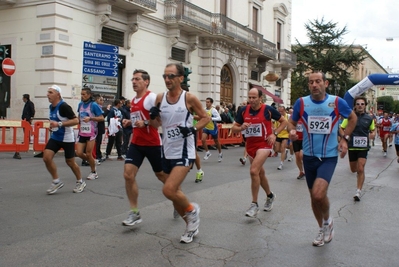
[29,111]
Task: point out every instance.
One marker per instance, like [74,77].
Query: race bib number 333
[319,124]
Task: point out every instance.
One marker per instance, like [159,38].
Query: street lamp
[337,87]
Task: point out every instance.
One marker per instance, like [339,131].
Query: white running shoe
[252,211]
[193,219]
[220,158]
[207,155]
[79,187]
[92,176]
[188,236]
[280,167]
[54,187]
[358,195]
[329,232]
[319,240]
[290,159]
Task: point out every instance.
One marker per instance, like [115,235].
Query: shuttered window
[178,54]
[114,37]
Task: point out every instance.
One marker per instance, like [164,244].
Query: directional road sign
[100,59]
[8,66]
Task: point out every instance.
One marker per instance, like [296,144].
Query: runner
[255,120]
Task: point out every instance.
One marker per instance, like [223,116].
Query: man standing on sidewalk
[62,119]
[319,114]
[174,109]
[255,120]
[27,115]
[146,142]
[359,142]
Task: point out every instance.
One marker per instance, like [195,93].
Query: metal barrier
[10,142]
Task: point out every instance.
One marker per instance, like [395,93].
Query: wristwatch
[195,128]
[275,133]
[60,124]
[346,137]
[146,122]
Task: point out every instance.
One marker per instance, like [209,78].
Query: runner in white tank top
[174,109]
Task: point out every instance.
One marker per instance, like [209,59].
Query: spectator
[226,116]
[114,132]
[27,115]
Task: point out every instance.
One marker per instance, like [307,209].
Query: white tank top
[173,115]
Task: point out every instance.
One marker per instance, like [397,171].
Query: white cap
[56,88]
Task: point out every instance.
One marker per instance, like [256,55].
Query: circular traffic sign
[8,66]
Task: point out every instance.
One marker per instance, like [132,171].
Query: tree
[325,52]
[385,103]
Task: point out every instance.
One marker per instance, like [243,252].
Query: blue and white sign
[100,59]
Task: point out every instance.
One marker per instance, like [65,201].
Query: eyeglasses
[359,104]
[170,76]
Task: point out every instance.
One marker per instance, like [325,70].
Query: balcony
[286,59]
[144,6]
[191,17]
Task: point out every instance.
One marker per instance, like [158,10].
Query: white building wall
[64,26]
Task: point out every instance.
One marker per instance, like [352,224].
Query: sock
[56,181]
[189,208]
[327,222]
[135,210]
[199,170]
[93,171]
[281,162]
[255,203]
[270,195]
[80,180]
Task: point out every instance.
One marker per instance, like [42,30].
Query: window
[254,75]
[255,13]
[278,38]
[179,54]
[114,37]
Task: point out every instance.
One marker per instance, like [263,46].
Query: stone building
[226,44]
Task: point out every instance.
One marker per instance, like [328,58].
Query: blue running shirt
[320,124]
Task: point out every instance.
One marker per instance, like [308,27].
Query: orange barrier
[9,142]
[41,135]
[226,137]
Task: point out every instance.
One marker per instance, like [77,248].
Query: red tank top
[147,136]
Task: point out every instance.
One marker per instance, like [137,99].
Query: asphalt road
[67,229]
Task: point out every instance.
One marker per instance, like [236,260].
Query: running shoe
[92,176]
[269,203]
[132,219]
[193,219]
[319,240]
[301,176]
[54,187]
[252,211]
[98,162]
[385,154]
[358,195]
[280,167]
[290,159]
[199,176]
[79,187]
[188,236]
[329,231]
[243,161]
[207,155]
[220,157]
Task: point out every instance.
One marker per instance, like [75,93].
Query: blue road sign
[100,59]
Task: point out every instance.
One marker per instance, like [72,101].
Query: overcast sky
[368,23]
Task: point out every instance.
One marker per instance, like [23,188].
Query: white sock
[56,181]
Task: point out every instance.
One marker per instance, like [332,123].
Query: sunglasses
[359,104]
[170,76]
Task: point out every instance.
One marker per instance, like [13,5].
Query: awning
[276,99]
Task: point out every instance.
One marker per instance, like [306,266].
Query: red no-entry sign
[8,66]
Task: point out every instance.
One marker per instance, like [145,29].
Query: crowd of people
[163,128]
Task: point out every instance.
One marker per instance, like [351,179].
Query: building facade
[226,44]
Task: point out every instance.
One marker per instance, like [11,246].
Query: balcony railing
[185,12]
[287,58]
[152,4]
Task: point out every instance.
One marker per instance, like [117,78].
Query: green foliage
[325,52]
[386,103]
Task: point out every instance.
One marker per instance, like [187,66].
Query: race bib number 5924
[319,124]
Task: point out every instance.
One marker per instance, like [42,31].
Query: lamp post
[337,87]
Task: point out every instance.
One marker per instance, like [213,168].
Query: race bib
[135,116]
[254,130]
[85,127]
[319,124]
[386,128]
[360,141]
[173,134]
[299,127]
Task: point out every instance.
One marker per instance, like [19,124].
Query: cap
[56,88]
